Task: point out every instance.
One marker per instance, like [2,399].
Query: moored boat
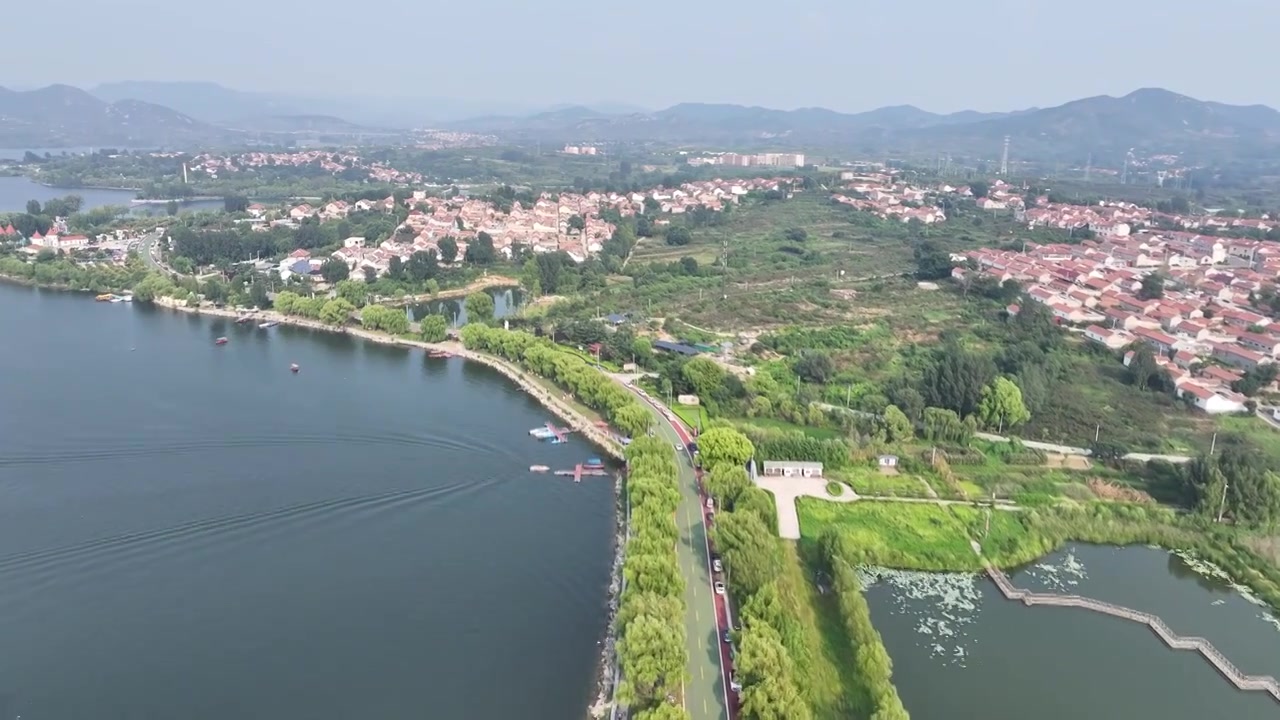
[293,367]
[268,324]
[538,468]
[220,341]
[440,354]
[104,297]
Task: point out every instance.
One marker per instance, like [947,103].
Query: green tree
[633,420]
[434,328]
[258,295]
[448,250]
[1152,287]
[336,312]
[1001,405]
[724,445]
[750,549]
[480,251]
[171,208]
[726,482]
[576,222]
[678,235]
[353,291]
[897,425]
[33,207]
[479,307]
[932,261]
[334,270]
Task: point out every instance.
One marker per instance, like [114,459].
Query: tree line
[746,536]
[874,668]
[650,623]
[541,357]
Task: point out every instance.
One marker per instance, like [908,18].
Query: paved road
[150,252]
[705,695]
[1071,450]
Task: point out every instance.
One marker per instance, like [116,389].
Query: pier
[1265,683]
[580,470]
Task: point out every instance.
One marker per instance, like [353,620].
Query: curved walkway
[786,490]
[1265,683]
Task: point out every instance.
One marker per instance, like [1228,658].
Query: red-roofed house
[1214,403]
[1159,341]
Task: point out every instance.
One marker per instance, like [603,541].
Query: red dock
[560,433]
[580,470]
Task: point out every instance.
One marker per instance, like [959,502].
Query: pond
[960,649]
[506,300]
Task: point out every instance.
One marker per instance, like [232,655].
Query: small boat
[116,299]
[538,468]
[104,297]
[243,319]
[593,463]
[443,354]
[220,341]
[127,298]
[293,367]
[268,324]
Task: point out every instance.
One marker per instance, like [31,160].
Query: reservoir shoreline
[605,672]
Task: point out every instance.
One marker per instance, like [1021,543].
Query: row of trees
[384,319]
[590,386]
[746,536]
[651,630]
[874,669]
[331,312]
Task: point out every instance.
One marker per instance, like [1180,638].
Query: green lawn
[903,535]
[870,482]
[773,424]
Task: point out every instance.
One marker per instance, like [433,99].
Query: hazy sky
[848,55]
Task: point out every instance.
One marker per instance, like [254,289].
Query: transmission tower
[1004,158]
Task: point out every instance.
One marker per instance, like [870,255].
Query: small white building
[887,461]
[1213,403]
[791,468]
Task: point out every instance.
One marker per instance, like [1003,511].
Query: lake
[191,531]
[960,649]
[16,191]
[506,300]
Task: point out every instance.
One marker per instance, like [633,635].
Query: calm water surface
[190,531]
[967,652]
[505,302]
[16,191]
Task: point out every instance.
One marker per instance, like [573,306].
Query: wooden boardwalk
[1265,683]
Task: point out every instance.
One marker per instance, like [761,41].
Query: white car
[717,566]
[719,588]
[734,685]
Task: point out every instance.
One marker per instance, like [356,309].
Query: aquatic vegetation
[944,605]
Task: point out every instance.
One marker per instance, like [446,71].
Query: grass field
[910,536]
[871,482]
[823,662]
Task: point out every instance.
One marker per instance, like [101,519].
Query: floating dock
[550,432]
[581,470]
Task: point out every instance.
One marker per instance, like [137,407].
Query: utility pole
[1222,506]
[1004,158]
[1212,445]
[1097,430]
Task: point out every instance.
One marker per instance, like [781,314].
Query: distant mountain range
[1103,126]
[193,115]
[61,115]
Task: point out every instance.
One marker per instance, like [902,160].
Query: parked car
[728,639]
[734,685]
[719,586]
[711,503]
[716,565]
